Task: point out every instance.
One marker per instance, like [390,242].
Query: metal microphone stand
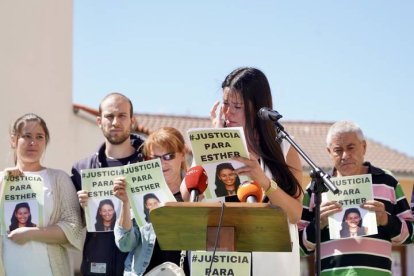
[320,183]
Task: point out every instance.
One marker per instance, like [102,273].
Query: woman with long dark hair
[105,216]
[227,181]
[352,224]
[245,91]
[150,201]
[21,216]
[274,166]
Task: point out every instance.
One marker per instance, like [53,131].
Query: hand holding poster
[353,220]
[21,202]
[103,207]
[214,148]
[146,188]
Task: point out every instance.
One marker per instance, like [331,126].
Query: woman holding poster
[168,145]
[275,166]
[21,216]
[45,246]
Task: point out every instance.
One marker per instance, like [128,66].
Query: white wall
[36,76]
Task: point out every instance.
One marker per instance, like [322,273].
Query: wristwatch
[272,187]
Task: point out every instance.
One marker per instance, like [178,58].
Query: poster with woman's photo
[103,207]
[21,202]
[147,188]
[352,221]
[213,149]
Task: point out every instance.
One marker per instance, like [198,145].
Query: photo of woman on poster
[352,224]
[105,216]
[150,201]
[227,181]
[21,216]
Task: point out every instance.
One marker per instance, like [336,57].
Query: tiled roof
[182,123]
[310,136]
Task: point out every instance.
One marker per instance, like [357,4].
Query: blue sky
[325,60]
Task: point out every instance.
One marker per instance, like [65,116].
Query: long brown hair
[252,85]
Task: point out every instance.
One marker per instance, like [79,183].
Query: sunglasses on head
[165,157]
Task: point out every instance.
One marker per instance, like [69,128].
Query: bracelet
[272,187]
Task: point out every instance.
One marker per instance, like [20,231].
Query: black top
[100,249]
[161,256]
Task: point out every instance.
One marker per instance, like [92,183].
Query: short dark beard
[116,141]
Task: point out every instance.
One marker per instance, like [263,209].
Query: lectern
[245,226]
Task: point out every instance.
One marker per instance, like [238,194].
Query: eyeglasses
[165,157]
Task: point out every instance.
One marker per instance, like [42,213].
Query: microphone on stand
[196,182]
[250,192]
[265,113]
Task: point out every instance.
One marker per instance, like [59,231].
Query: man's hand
[379,209]
[329,208]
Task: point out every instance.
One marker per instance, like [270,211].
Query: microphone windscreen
[196,179]
[262,113]
[249,188]
[266,113]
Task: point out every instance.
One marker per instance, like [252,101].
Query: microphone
[196,182]
[266,113]
[250,192]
